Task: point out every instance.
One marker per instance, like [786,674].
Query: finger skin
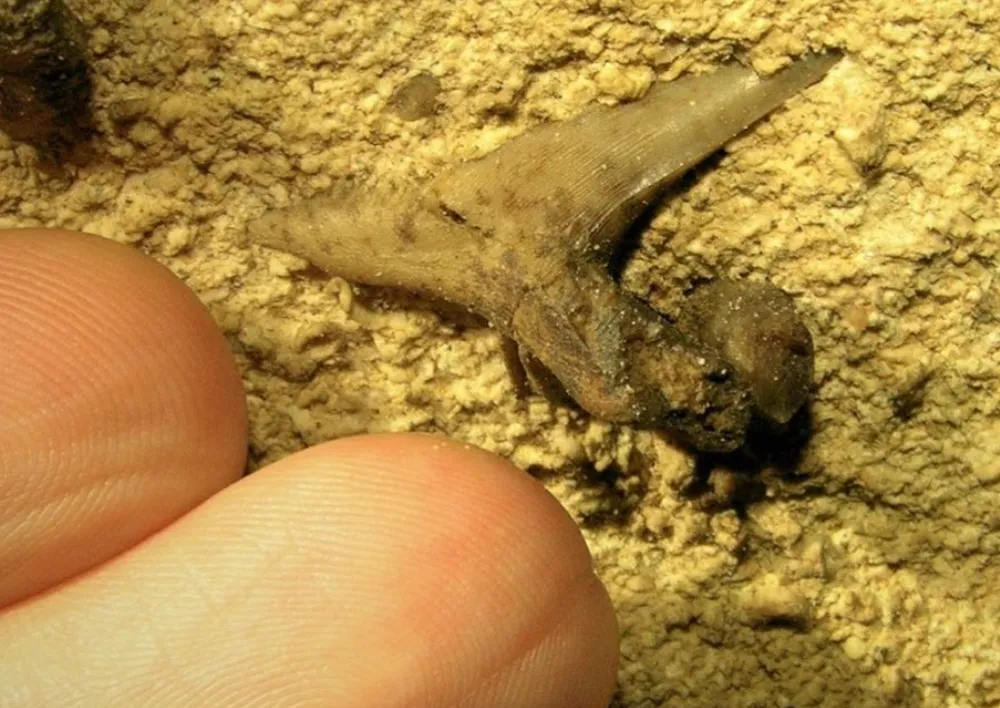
[120,405]
[391,571]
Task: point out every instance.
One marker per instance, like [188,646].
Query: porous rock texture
[858,570]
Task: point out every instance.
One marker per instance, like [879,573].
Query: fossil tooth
[523,236]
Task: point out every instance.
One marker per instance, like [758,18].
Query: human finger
[391,571]
[120,405]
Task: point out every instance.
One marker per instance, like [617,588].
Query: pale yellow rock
[869,564]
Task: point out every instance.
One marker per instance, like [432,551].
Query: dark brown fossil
[523,236]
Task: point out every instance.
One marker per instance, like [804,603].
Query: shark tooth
[524,235]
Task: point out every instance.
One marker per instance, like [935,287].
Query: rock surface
[860,570]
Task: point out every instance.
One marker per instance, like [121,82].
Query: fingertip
[389,570]
[490,565]
[487,594]
[121,407]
